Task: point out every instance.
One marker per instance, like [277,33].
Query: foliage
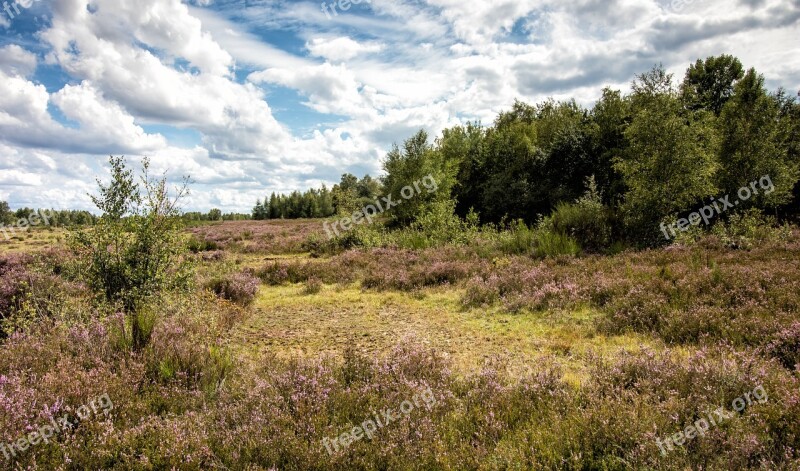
[654,153]
[710,84]
[348,196]
[554,244]
[518,239]
[310,204]
[587,220]
[665,146]
[135,252]
[751,145]
[416,162]
[240,288]
[748,229]
[215,215]
[6,216]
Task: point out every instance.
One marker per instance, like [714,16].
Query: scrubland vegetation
[533,293]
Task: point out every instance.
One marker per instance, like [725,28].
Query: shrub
[318,246]
[360,236]
[554,244]
[196,245]
[240,288]
[135,252]
[481,293]
[30,292]
[14,286]
[747,229]
[587,220]
[440,225]
[517,240]
[313,286]
[278,273]
[179,352]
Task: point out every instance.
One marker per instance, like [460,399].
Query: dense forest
[649,157]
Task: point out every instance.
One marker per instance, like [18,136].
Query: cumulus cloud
[276,96]
[14,60]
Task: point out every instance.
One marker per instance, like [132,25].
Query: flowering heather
[240,288]
[380,269]
[14,279]
[275,414]
[721,323]
[263,237]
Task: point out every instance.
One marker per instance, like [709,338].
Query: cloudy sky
[253,96]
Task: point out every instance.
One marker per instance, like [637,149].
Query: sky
[250,97]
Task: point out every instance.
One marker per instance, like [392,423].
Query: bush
[554,244]
[14,286]
[587,220]
[196,245]
[481,293]
[278,273]
[313,286]
[179,353]
[747,229]
[240,288]
[517,240]
[439,225]
[30,291]
[135,253]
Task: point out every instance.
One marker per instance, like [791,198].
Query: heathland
[615,288]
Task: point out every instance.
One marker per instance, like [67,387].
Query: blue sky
[248,97]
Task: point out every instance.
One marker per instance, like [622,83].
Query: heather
[279,237]
[173,408]
[266,349]
[701,293]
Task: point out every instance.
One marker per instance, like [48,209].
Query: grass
[31,240]
[288,323]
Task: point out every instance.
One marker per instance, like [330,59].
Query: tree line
[346,196]
[70,218]
[58,218]
[652,155]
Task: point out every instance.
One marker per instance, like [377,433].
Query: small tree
[135,252]
[215,215]
[751,144]
[345,195]
[404,167]
[669,163]
[6,216]
[710,84]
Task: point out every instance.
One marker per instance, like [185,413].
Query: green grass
[286,322]
[31,240]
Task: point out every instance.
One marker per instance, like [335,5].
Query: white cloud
[384,69]
[15,60]
[340,49]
